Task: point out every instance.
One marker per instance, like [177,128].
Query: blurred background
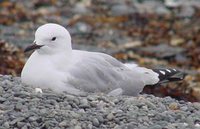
[152,33]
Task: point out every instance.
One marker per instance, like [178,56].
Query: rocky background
[22,108]
[152,33]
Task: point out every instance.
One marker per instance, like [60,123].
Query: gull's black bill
[33,46]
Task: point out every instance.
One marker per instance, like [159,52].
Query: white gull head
[51,39]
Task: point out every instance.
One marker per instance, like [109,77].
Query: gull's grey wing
[100,72]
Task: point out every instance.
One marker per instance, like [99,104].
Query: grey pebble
[22,94]
[17,120]
[22,108]
[1,90]
[91,98]
[84,103]
[68,107]
[19,106]
[32,118]
[76,101]
[155,127]
[6,125]
[110,116]
[95,122]
[75,115]
[89,126]
[184,108]
[2,99]
[43,111]
[6,83]
[116,101]
[64,123]
[24,127]
[100,118]
[73,122]
[20,124]
[77,127]
[196,105]
[81,111]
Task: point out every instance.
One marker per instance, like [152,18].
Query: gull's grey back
[99,72]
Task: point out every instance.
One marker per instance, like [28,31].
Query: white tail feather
[149,76]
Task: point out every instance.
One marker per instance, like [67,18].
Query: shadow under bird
[55,65]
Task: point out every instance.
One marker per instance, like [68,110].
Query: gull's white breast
[39,72]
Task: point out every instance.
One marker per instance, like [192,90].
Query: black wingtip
[178,77]
[169,75]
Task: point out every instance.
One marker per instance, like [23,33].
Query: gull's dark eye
[53,39]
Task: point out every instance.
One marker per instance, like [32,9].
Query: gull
[55,65]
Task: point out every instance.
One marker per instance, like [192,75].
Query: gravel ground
[21,107]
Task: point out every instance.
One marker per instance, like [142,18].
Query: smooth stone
[95,122]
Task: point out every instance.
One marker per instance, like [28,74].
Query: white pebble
[38,90]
